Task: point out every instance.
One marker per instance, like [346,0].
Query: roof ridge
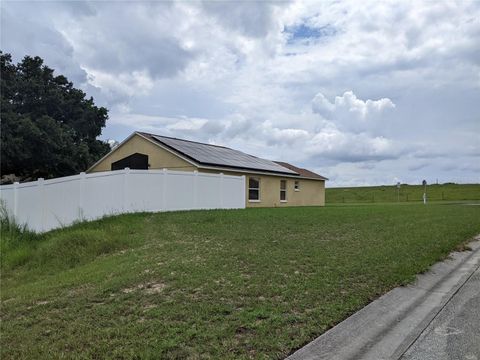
[301,171]
[191,141]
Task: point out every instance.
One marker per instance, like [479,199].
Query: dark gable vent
[135,161]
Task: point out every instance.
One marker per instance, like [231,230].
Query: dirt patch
[8,300]
[76,291]
[149,288]
[242,330]
[155,288]
[38,303]
[132,289]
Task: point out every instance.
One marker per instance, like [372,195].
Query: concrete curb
[388,326]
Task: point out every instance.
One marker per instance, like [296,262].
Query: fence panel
[230,191]
[6,194]
[45,205]
[61,202]
[147,194]
[209,195]
[179,191]
[29,206]
[103,195]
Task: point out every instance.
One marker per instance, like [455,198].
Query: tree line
[49,128]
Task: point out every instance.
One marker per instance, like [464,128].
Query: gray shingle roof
[302,172]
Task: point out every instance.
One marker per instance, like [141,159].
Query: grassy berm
[256,283]
[406,193]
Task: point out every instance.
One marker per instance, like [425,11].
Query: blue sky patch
[303,31]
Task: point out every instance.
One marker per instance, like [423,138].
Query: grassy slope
[213,284]
[369,194]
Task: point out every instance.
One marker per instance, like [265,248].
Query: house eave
[248,171]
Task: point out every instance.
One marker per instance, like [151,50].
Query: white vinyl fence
[48,204]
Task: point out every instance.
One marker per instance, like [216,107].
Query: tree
[48,127]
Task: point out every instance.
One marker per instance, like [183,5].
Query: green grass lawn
[255,283]
[406,193]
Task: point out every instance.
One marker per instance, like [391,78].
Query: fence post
[164,189]
[195,189]
[40,184]
[244,180]
[221,190]
[81,195]
[126,198]
[15,199]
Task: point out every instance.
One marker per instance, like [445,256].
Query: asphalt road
[455,332]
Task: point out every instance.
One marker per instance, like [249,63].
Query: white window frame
[258,189]
[284,190]
[296,185]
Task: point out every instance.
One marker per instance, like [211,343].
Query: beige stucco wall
[158,158]
[311,193]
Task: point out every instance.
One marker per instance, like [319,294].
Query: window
[253,189]
[283,190]
[297,185]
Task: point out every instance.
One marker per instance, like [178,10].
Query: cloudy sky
[361,92]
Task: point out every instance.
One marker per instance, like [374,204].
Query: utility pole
[424,183]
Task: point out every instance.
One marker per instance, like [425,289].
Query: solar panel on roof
[221,156]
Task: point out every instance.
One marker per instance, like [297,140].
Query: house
[268,183]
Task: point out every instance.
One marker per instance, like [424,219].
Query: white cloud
[351,104]
[351,113]
[288,136]
[349,147]
[117,87]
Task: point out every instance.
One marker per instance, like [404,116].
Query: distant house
[268,183]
